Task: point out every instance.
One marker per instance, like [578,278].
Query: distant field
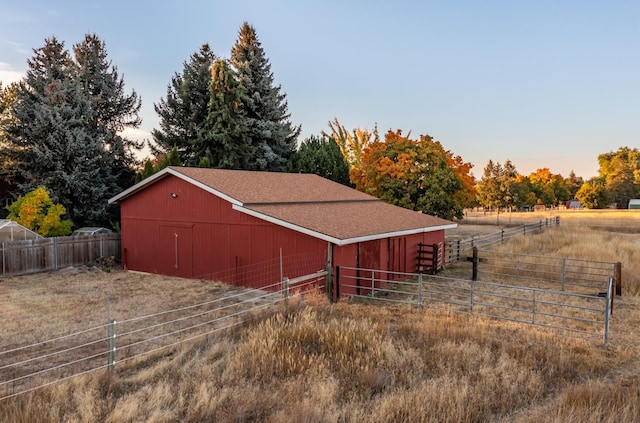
[617,220]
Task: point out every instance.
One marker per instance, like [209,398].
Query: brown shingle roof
[305,203]
[273,187]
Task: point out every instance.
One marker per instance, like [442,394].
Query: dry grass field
[312,361]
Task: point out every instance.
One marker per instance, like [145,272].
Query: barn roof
[303,202]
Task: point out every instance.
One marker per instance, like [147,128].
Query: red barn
[253,228]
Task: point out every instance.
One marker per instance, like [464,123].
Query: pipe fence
[458,249]
[563,310]
[561,273]
[34,366]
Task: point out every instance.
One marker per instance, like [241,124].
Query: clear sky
[545,83]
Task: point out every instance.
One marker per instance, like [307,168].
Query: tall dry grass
[588,244]
[317,362]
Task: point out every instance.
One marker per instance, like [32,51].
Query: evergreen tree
[263,106]
[114,110]
[223,141]
[186,107]
[573,183]
[321,156]
[499,186]
[50,143]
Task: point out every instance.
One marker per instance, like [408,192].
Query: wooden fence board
[42,255]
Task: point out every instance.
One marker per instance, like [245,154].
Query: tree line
[618,181]
[61,134]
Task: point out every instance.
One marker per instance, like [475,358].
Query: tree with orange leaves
[414,174]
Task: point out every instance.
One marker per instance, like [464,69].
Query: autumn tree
[37,212]
[467,195]
[550,189]
[620,171]
[410,173]
[593,194]
[352,144]
[320,156]
[184,110]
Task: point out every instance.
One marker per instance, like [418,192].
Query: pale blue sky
[543,83]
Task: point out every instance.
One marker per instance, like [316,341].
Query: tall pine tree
[114,111]
[264,107]
[50,143]
[183,112]
[223,142]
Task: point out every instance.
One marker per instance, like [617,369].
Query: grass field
[318,362]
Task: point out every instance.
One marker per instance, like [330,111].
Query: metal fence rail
[563,310]
[585,276]
[41,255]
[25,368]
[458,249]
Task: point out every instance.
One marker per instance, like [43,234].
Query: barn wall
[394,254]
[199,235]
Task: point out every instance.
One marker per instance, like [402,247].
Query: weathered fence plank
[48,254]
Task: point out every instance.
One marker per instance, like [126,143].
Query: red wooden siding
[199,235]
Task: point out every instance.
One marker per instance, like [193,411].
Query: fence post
[419,292]
[3,261]
[474,273]
[285,290]
[373,283]
[502,235]
[434,258]
[473,285]
[618,275]
[55,254]
[458,252]
[607,310]
[564,272]
[533,310]
[111,346]
[337,278]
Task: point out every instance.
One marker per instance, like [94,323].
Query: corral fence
[584,314]
[48,254]
[575,275]
[458,249]
[25,368]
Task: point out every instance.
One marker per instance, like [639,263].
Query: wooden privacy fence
[459,249]
[42,255]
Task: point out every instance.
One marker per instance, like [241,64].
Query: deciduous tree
[593,194]
[36,211]
[620,171]
[352,144]
[410,173]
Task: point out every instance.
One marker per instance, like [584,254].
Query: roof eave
[338,241]
[163,173]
